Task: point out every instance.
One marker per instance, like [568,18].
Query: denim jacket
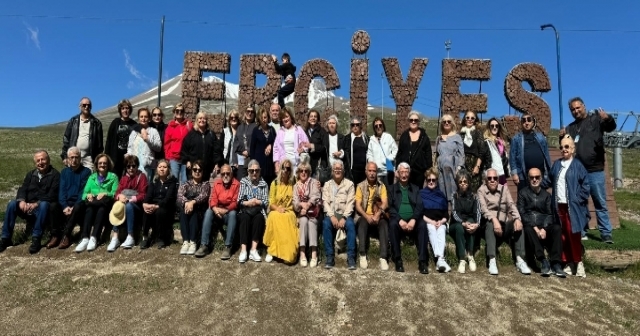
[516,157]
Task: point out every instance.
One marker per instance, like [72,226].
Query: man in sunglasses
[529,150]
[355,151]
[587,133]
[85,132]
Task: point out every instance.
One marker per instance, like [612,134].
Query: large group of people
[267,181]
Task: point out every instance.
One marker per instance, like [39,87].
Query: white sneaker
[568,270]
[462,267]
[192,248]
[113,244]
[364,263]
[128,243]
[584,238]
[493,267]
[268,258]
[522,266]
[580,270]
[255,256]
[242,258]
[185,247]
[313,263]
[92,244]
[303,261]
[83,245]
[442,265]
[384,265]
[472,264]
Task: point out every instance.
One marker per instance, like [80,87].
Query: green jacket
[108,186]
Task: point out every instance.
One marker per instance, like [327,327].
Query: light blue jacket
[516,156]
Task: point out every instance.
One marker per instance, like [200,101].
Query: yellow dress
[281,234]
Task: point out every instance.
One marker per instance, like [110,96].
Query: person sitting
[132,190]
[534,206]
[98,198]
[36,202]
[502,222]
[405,218]
[192,202]
[159,207]
[288,71]
[371,203]
[281,235]
[72,181]
[223,205]
[465,222]
[307,204]
[338,202]
[435,212]
[253,200]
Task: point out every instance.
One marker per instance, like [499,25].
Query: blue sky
[49,63]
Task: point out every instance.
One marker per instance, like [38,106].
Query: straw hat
[117,215]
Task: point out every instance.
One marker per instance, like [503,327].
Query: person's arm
[148,198]
[213,198]
[393,147]
[584,189]
[234,199]
[185,149]
[277,150]
[132,138]
[351,193]
[454,213]
[511,205]
[607,124]
[111,138]
[358,203]
[418,208]
[370,149]
[327,199]
[54,188]
[121,184]
[458,158]
[394,202]
[254,141]
[427,151]
[114,185]
[484,209]
[318,147]
[62,193]
[88,187]
[263,195]
[218,148]
[154,139]
[141,188]
[384,198]
[181,193]
[273,206]
[521,202]
[513,155]
[203,195]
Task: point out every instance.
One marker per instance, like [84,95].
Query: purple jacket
[279,152]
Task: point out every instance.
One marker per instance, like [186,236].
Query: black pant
[358,175]
[552,242]
[95,216]
[65,224]
[160,223]
[250,228]
[363,236]
[417,177]
[285,91]
[419,234]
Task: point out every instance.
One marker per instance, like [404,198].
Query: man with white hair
[338,203]
[85,132]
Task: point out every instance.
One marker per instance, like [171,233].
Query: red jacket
[173,136]
[224,198]
[138,182]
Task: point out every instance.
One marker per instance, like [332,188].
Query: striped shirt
[249,191]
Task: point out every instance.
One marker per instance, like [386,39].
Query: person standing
[415,149]
[449,156]
[497,147]
[528,150]
[261,150]
[118,137]
[175,133]
[228,151]
[144,142]
[475,149]
[202,144]
[157,122]
[274,111]
[316,134]
[85,132]
[587,132]
[290,141]
[382,151]
[355,152]
[243,141]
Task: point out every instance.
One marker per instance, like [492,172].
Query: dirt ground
[159,292]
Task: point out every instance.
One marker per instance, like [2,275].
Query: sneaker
[545,270]
[255,256]
[185,247]
[384,265]
[145,244]
[161,244]
[268,258]
[607,239]
[303,262]
[472,264]
[522,267]
[93,243]
[330,263]
[423,267]
[568,269]
[399,266]
[462,267]
[584,238]
[202,251]
[113,244]
[4,243]
[442,265]
[351,263]
[128,243]
[242,258]
[82,245]
[493,267]
[36,245]
[580,270]
[192,248]
[556,269]
[313,263]
[363,262]
[226,254]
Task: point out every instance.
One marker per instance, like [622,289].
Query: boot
[66,242]
[35,245]
[53,242]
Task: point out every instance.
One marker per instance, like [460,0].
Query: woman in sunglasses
[570,189]
[435,212]
[528,150]
[157,122]
[201,144]
[355,152]
[230,140]
[475,149]
[307,204]
[465,222]
[175,133]
[118,136]
[192,203]
[493,136]
[262,141]
[382,150]
[449,155]
[316,134]
[144,142]
[414,148]
[291,141]
[281,235]
[253,201]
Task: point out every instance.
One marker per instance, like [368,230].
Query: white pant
[437,238]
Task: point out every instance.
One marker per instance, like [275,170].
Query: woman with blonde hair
[290,142]
[307,205]
[230,140]
[201,144]
[435,212]
[475,149]
[414,148]
[449,155]
[281,234]
[497,146]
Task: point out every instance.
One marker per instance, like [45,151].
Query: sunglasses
[534,178]
[447,122]
[233,119]
[355,125]
[157,115]
[304,171]
[494,126]
[431,180]
[492,178]
[196,170]
[73,157]
[131,166]
[377,125]
[286,168]
[526,119]
[102,163]
[565,147]
[253,171]
[225,174]
[179,111]
[250,111]
[337,170]
[414,121]
[463,182]
[470,118]
[86,105]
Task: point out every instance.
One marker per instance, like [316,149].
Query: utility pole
[543,27]
[382,92]
[160,62]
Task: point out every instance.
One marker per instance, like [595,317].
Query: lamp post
[543,27]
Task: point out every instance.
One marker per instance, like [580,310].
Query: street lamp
[543,27]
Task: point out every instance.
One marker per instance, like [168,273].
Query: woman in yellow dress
[281,235]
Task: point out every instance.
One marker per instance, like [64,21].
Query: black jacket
[347,147]
[421,159]
[465,208]
[70,137]
[285,69]
[163,194]
[590,145]
[161,127]
[34,189]
[320,151]
[202,146]
[111,147]
[340,143]
[394,195]
[534,209]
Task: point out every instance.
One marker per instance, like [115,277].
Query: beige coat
[338,198]
[489,203]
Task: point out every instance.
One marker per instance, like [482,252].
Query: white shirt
[290,144]
[333,147]
[561,185]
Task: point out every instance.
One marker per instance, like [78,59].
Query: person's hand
[122,198]
[144,134]
[67,211]
[274,58]
[368,218]
[376,217]
[411,224]
[257,202]
[31,207]
[515,179]
[562,133]
[188,164]
[100,196]
[65,162]
[245,154]
[23,206]
[267,150]
[90,197]
[334,222]
[318,185]
[188,207]
[471,228]
[542,233]
[603,115]
[517,225]
[281,209]
[497,229]
[476,170]
[342,222]
[336,154]
[437,224]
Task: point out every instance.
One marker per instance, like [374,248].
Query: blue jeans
[38,218]
[599,198]
[178,170]
[229,219]
[329,235]
[130,211]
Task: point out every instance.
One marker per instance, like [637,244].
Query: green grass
[628,200]
[627,237]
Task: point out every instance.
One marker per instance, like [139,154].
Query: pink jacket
[279,152]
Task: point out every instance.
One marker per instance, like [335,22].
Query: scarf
[468,139]
[434,199]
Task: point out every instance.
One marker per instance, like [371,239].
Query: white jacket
[379,151]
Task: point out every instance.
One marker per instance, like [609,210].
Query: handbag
[314,209]
[389,163]
[323,173]
[341,240]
